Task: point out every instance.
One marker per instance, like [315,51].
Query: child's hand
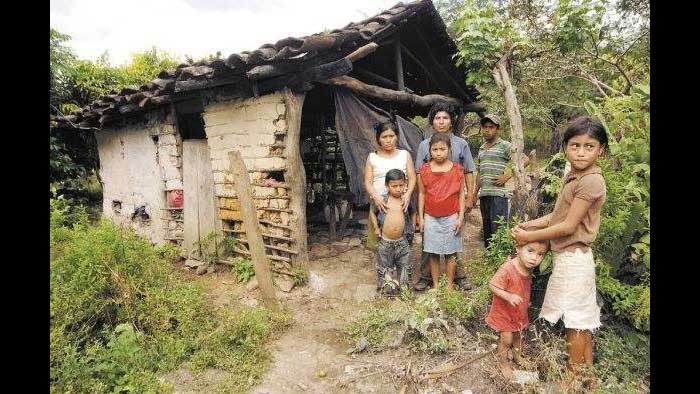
[419,224]
[514,300]
[468,203]
[458,223]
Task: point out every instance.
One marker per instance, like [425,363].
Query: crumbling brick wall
[257,128]
[137,162]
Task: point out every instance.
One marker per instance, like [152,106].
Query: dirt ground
[342,280]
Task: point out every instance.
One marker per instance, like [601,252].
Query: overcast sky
[198,27]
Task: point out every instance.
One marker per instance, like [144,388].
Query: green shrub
[120,315]
[242,269]
[376,321]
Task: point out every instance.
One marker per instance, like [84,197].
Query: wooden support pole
[261,264]
[296,177]
[399,64]
[331,218]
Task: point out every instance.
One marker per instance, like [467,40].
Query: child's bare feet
[517,357]
[506,370]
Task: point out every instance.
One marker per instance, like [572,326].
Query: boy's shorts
[571,291]
[390,254]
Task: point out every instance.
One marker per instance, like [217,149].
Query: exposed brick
[268,164]
[256,152]
[281,109]
[280,124]
[262,191]
[166,139]
[284,216]
[167,150]
[224,190]
[173,184]
[226,214]
[230,203]
[171,173]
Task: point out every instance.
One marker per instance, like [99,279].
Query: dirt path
[339,285]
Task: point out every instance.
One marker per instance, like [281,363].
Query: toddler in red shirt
[511,299]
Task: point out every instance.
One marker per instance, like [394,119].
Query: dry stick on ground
[261,264]
[345,383]
[442,372]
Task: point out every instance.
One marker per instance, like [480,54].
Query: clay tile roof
[291,49]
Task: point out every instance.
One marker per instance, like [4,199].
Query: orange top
[502,316]
[442,189]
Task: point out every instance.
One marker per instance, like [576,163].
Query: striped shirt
[491,163]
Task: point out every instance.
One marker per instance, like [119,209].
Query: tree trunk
[261,264]
[522,186]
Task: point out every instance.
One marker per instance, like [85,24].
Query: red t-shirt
[502,316]
[442,189]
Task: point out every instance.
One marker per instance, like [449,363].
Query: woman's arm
[411,175]
[369,178]
[577,211]
[421,204]
[375,223]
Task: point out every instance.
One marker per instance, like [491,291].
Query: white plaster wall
[131,173]
[253,126]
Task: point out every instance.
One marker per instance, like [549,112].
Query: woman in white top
[386,158]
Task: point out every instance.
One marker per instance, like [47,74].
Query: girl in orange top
[441,207]
[511,299]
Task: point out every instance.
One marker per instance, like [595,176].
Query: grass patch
[121,316]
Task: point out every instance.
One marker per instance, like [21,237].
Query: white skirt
[571,291]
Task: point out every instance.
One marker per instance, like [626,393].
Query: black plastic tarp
[354,121]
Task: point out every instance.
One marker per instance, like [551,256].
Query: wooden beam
[422,66]
[261,263]
[426,101]
[362,52]
[436,64]
[378,79]
[399,64]
[265,235]
[273,247]
[296,176]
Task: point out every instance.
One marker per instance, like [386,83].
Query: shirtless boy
[395,232]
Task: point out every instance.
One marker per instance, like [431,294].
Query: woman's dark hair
[394,175]
[585,125]
[443,106]
[381,127]
[440,137]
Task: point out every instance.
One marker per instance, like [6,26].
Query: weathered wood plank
[296,176]
[261,263]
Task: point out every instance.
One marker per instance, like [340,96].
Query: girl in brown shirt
[571,228]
